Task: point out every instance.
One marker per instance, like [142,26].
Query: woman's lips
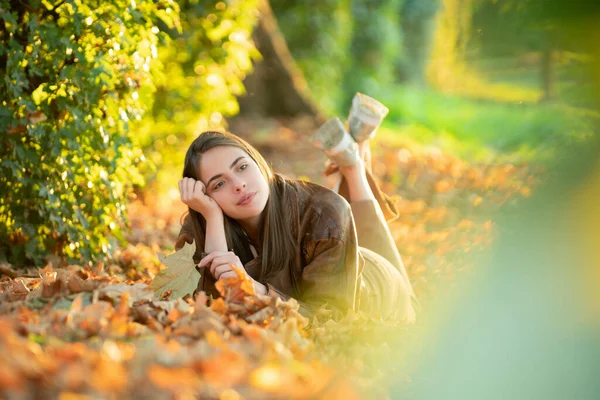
[247,199]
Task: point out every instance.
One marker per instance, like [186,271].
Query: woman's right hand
[193,194]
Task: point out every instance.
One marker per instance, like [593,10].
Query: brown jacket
[328,264]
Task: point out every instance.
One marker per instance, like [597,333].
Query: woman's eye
[243,167]
[218,185]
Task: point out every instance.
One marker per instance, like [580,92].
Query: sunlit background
[491,148]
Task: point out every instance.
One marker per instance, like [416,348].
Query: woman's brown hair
[278,244]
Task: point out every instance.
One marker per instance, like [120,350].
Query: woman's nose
[239,185]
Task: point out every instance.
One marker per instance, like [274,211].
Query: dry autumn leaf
[137,292]
[181,276]
[235,288]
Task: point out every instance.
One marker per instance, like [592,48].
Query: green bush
[204,67]
[73,73]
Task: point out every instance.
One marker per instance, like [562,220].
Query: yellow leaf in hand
[235,288]
[246,284]
[181,275]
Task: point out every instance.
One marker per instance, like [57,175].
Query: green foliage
[319,34]
[343,46]
[474,129]
[515,26]
[72,76]
[418,24]
[204,68]
[509,27]
[375,46]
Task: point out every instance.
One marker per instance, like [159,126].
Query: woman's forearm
[216,241]
[215,235]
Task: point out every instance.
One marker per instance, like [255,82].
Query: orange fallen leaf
[174,315]
[74,396]
[443,186]
[109,376]
[172,378]
[236,288]
[227,368]
[10,378]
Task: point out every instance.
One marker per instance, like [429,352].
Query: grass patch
[477,129]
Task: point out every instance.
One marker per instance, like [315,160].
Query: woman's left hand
[218,264]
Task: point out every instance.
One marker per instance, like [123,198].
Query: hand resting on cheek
[193,194]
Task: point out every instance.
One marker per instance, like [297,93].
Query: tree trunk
[417,21]
[547,74]
[277,87]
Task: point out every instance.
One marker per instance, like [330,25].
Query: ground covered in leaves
[101,331]
[74,330]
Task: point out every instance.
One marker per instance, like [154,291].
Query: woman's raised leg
[367,201]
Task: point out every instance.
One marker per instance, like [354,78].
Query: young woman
[293,238]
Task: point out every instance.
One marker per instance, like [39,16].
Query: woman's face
[235,182]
